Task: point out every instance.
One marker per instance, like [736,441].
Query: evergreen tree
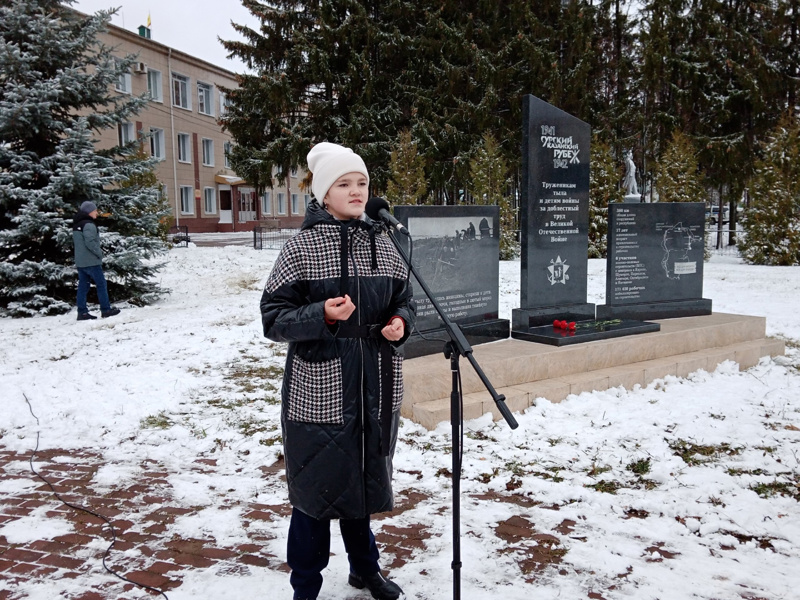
[324,71]
[407,173]
[604,189]
[677,176]
[144,179]
[737,97]
[669,70]
[509,244]
[772,223]
[488,173]
[489,183]
[358,72]
[786,49]
[55,82]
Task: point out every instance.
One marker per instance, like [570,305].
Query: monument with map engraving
[655,261]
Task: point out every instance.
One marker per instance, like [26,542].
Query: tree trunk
[732,221]
[720,216]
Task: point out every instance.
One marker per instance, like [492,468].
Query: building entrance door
[225,212]
[247,205]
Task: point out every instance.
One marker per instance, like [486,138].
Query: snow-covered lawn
[684,489]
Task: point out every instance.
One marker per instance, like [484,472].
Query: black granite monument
[655,261]
[554,218]
[456,250]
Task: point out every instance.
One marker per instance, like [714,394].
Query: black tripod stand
[457,347]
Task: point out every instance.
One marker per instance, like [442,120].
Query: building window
[126,133]
[306,202]
[210,200]
[293,172]
[157,148]
[180,91]
[208,152]
[184,152]
[123,81]
[205,99]
[281,203]
[266,203]
[223,103]
[154,88]
[227,150]
[187,200]
[295,204]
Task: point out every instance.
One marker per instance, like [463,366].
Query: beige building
[180,127]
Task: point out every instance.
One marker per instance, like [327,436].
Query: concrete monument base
[524,371]
[656,310]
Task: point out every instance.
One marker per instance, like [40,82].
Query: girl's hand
[339,309]
[394,330]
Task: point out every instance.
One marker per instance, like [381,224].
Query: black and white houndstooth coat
[343,386]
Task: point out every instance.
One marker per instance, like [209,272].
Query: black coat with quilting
[332,384]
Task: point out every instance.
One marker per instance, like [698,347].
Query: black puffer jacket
[340,407]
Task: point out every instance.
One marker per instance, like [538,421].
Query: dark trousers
[85,276]
[310,546]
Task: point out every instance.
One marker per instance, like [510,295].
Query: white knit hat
[327,162]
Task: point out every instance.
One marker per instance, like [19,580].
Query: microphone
[377,209]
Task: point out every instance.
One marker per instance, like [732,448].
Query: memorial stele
[554,217]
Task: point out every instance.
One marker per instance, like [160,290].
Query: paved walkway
[141,514]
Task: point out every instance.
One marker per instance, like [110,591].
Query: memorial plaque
[655,261]
[554,217]
[456,250]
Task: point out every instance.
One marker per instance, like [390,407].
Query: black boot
[380,587]
[85,317]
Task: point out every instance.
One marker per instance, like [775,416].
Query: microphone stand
[457,347]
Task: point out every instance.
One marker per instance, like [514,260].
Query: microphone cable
[86,510]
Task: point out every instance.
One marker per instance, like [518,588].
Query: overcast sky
[191,26]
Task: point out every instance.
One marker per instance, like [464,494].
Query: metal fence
[271,237]
[178,235]
[275,238]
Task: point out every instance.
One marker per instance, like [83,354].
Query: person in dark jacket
[339,294]
[89,261]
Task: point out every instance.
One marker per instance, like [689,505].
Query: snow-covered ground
[688,488]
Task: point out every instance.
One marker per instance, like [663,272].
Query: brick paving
[141,515]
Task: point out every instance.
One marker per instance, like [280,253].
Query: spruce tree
[669,74]
[677,175]
[509,244]
[323,71]
[772,222]
[407,183]
[488,173]
[604,189]
[786,50]
[55,91]
[489,183]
